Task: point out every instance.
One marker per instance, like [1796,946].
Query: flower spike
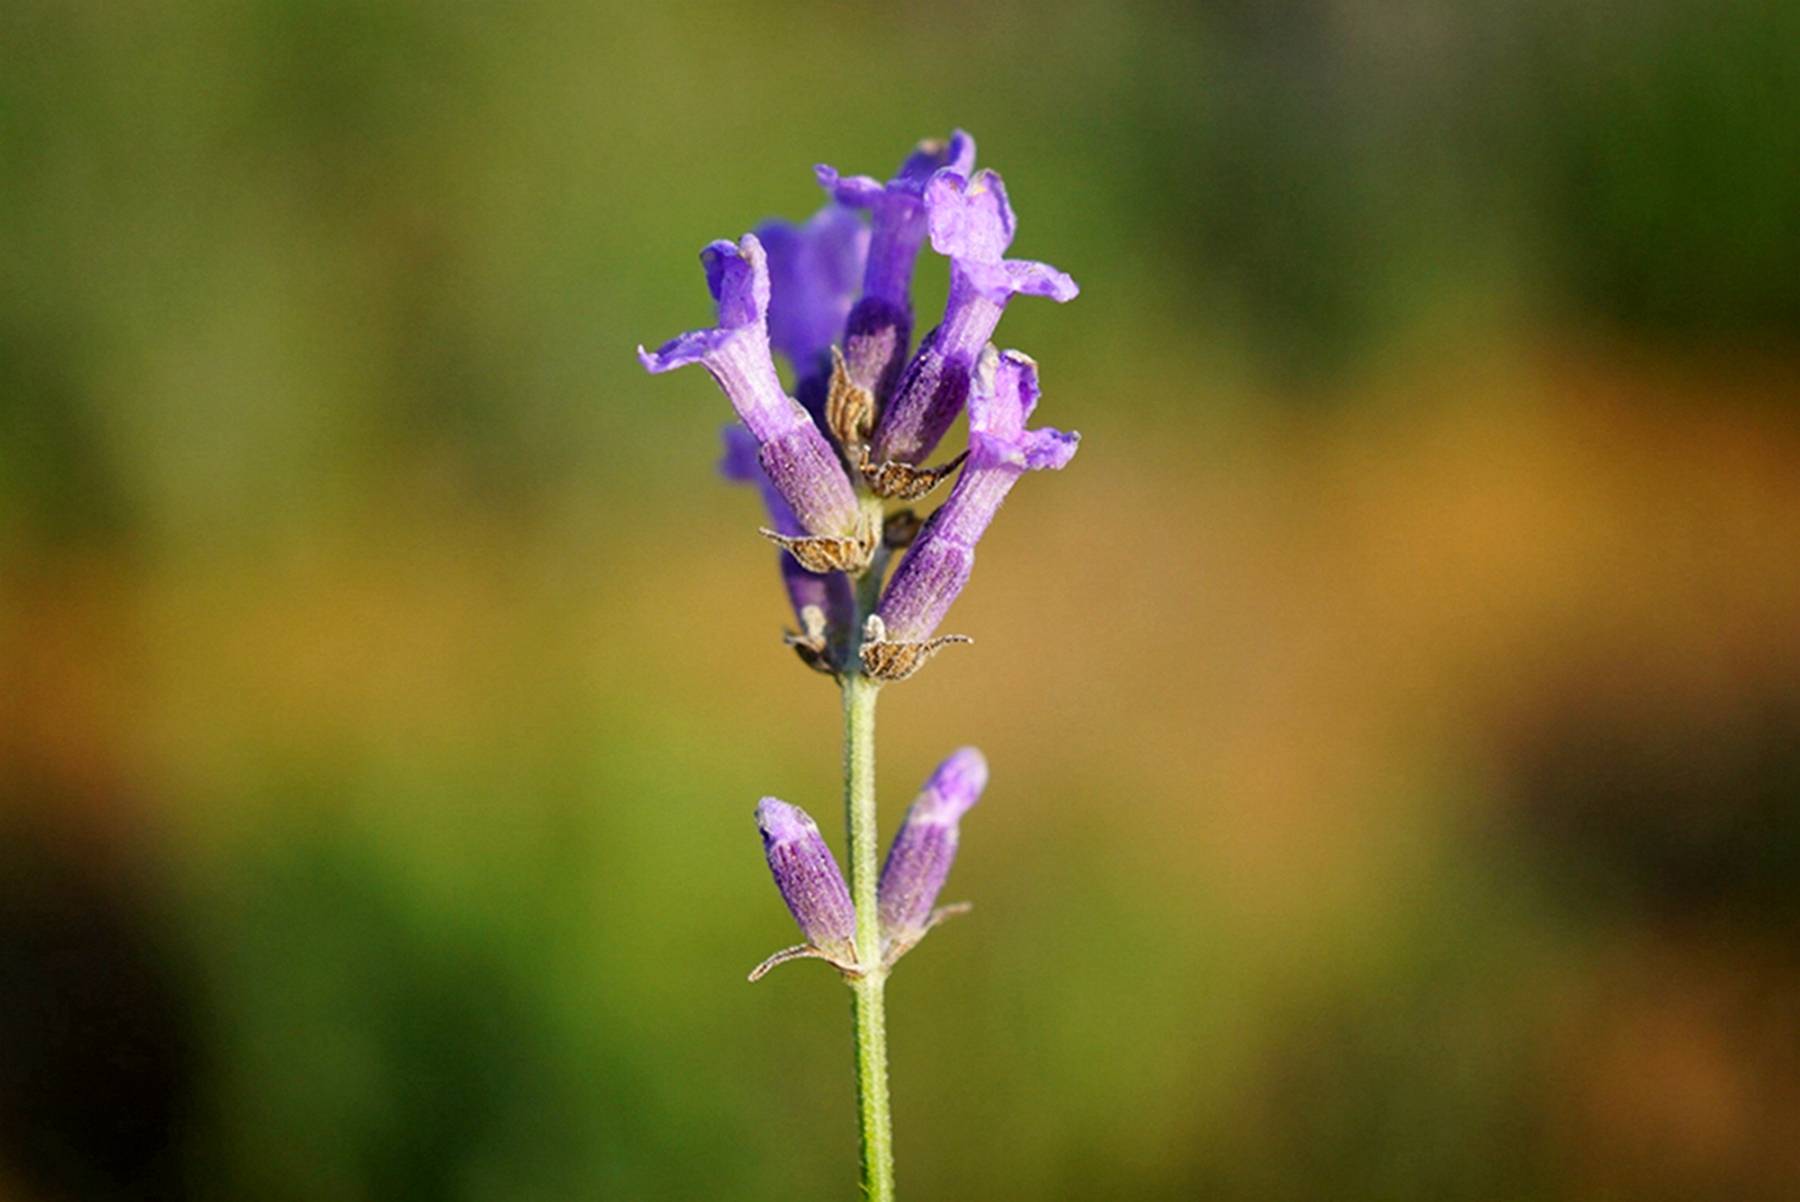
[837,459]
[800,464]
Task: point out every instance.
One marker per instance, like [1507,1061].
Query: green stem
[867,1006]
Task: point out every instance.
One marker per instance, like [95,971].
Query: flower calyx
[889,662]
[897,481]
[812,642]
[849,409]
[892,948]
[849,970]
[829,552]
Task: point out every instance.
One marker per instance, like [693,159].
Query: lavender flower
[799,462]
[793,295]
[814,270]
[826,592]
[880,326]
[973,223]
[1001,449]
[919,859]
[807,875]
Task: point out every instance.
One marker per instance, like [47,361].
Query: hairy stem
[867,1005]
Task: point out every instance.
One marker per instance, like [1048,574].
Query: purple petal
[1049,449]
[926,159]
[1002,280]
[932,156]
[695,346]
[857,191]
[970,219]
[898,218]
[1004,394]
[736,351]
[737,275]
[815,271]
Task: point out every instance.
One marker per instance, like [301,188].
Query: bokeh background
[1394,712]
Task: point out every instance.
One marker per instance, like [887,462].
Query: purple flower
[829,591]
[799,462]
[972,222]
[1001,449]
[923,848]
[814,271]
[808,877]
[880,326]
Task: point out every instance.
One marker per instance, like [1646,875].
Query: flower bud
[808,877]
[919,860]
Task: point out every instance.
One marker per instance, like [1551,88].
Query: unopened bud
[808,877]
[923,849]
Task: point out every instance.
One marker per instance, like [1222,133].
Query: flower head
[867,415]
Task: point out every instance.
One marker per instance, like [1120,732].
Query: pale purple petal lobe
[970,218]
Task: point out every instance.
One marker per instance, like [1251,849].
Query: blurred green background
[1394,712]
